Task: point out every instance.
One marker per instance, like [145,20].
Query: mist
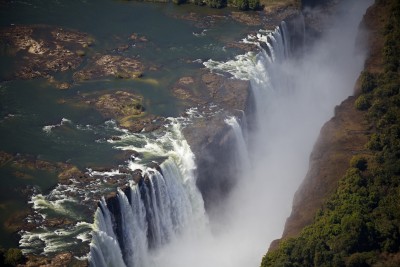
[294,98]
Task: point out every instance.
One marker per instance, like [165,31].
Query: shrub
[359,162]
[362,103]
[367,82]
[178,2]
[13,256]
[216,3]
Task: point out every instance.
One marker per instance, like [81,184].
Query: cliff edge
[346,213]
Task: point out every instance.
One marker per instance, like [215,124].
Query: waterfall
[295,92]
[146,215]
[243,160]
[294,95]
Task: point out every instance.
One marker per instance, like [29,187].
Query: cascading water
[164,205]
[153,211]
[241,149]
[159,218]
[295,92]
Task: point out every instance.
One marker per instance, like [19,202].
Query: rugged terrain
[345,213]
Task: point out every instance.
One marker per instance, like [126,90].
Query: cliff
[345,213]
[340,138]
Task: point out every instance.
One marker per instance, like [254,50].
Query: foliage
[216,3]
[245,4]
[368,82]
[359,225]
[359,162]
[240,4]
[13,256]
[362,103]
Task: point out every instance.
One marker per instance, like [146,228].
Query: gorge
[187,192]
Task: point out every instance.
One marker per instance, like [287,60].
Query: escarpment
[341,138]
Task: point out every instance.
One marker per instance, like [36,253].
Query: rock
[44,50]
[72,37]
[186,80]
[155,166]
[137,176]
[69,173]
[57,222]
[110,65]
[229,94]
[148,123]
[5,158]
[200,20]
[119,105]
[124,107]
[58,84]
[60,260]
[138,38]
[209,137]
[250,19]
[16,221]
[36,260]
[115,138]
[246,47]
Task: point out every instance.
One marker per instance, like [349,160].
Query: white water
[242,157]
[294,97]
[176,200]
[163,207]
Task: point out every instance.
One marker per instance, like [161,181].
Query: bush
[359,162]
[245,4]
[362,103]
[216,3]
[178,2]
[367,82]
[359,260]
[13,257]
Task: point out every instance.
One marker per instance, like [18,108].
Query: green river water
[26,106]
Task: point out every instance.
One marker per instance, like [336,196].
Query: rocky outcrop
[61,259]
[110,65]
[123,106]
[211,139]
[44,50]
[210,88]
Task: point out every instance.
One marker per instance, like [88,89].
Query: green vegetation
[240,4]
[245,4]
[359,225]
[11,257]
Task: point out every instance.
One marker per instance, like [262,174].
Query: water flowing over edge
[155,209]
[166,148]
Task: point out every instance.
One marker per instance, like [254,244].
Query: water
[41,122]
[295,93]
[160,220]
[163,206]
[294,96]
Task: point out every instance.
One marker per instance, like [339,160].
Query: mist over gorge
[206,146]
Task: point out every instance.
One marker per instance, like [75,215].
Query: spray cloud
[294,97]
